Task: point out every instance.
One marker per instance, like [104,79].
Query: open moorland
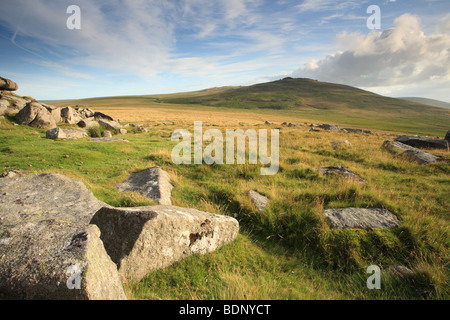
[288,250]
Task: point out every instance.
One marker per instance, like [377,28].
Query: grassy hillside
[302,99]
[429,102]
[289,251]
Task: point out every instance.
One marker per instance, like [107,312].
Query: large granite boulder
[361,218]
[153,183]
[421,157]
[36,115]
[447,136]
[141,240]
[422,142]
[54,111]
[411,153]
[48,249]
[8,85]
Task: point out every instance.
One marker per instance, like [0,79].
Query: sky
[140,47]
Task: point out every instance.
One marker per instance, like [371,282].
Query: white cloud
[321,5]
[398,56]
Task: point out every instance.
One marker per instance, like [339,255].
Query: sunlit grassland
[289,250]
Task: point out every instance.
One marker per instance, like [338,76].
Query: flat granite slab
[361,218]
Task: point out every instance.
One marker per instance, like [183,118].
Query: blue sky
[133,47]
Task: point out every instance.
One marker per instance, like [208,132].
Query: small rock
[259,200]
[330,127]
[342,171]
[107,140]
[337,144]
[401,271]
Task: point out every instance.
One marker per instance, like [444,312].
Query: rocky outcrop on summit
[8,85]
[141,240]
[153,183]
[48,248]
[36,115]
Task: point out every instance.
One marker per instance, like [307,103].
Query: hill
[303,99]
[429,102]
[329,102]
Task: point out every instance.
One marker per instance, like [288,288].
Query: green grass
[288,251]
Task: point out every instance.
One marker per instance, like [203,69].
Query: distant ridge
[429,102]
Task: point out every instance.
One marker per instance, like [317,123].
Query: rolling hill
[301,99]
[429,102]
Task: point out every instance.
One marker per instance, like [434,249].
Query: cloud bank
[401,55]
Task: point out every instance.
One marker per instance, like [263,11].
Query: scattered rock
[142,129]
[401,271]
[268,123]
[352,130]
[259,200]
[141,240]
[342,171]
[107,140]
[123,131]
[8,85]
[360,218]
[153,183]
[395,145]
[411,153]
[51,246]
[421,142]
[421,157]
[330,127]
[337,144]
